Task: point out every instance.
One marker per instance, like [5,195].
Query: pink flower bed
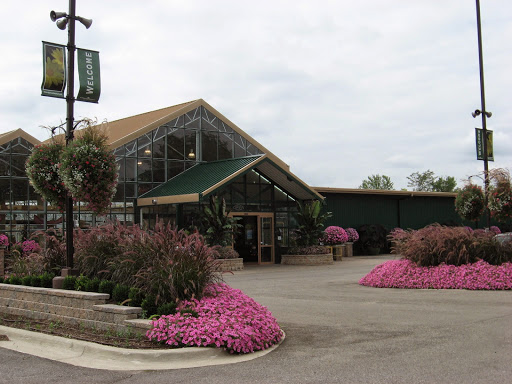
[405,274]
[226,318]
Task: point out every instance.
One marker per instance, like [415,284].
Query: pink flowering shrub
[352,234]
[4,240]
[405,274]
[334,235]
[224,318]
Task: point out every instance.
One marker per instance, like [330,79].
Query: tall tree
[445,184]
[428,182]
[377,182]
[421,181]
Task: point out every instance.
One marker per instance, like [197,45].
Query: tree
[444,184]
[428,182]
[421,181]
[377,182]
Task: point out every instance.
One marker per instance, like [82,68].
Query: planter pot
[226,265]
[339,251]
[307,259]
[373,251]
[349,249]
[2,262]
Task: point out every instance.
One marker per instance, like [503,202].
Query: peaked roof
[11,135]
[204,179]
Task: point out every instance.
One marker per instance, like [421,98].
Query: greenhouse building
[170,162]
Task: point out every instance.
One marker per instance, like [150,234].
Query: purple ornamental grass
[406,274]
[227,319]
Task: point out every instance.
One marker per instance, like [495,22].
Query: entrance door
[255,240]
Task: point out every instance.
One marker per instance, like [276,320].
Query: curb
[90,355]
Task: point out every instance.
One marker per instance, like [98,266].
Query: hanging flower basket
[89,171]
[42,169]
[469,202]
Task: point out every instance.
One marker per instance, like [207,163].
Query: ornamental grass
[224,318]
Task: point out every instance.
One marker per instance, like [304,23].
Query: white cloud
[339,90]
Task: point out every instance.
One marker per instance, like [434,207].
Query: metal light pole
[62,19]
[483,112]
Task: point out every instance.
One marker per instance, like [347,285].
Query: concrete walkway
[338,332]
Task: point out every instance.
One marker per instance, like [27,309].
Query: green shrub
[92,285]
[166,309]
[81,282]
[47,280]
[35,281]
[69,283]
[7,280]
[1,279]
[120,293]
[15,280]
[26,280]
[106,286]
[149,305]
[136,296]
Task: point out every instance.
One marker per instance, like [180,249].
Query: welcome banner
[479,133]
[89,75]
[54,70]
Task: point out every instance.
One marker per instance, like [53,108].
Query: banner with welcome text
[54,70]
[88,63]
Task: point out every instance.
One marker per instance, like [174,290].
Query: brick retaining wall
[226,265]
[307,259]
[87,309]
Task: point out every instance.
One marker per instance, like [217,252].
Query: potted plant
[372,238]
[306,250]
[336,237]
[500,196]
[353,236]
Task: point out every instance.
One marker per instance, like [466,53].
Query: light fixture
[191,155]
[147,151]
[479,112]
[139,162]
[61,19]
[154,202]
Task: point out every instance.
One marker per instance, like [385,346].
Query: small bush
[47,280]
[120,293]
[7,281]
[81,283]
[92,285]
[166,309]
[136,297]
[149,305]
[35,280]
[69,283]
[106,286]
[15,280]
[1,279]
[26,280]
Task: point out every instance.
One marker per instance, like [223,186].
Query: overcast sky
[339,90]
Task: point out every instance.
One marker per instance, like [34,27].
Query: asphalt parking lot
[338,332]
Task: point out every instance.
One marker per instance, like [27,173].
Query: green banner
[89,75]
[54,70]
[479,132]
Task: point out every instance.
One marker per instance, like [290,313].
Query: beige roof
[383,192]
[123,131]
[11,135]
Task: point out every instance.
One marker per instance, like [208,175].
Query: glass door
[266,239]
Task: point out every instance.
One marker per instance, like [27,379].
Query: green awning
[204,179]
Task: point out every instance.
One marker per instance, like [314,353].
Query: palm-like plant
[311,223]
[220,228]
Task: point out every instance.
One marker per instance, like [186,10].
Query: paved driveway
[339,332]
